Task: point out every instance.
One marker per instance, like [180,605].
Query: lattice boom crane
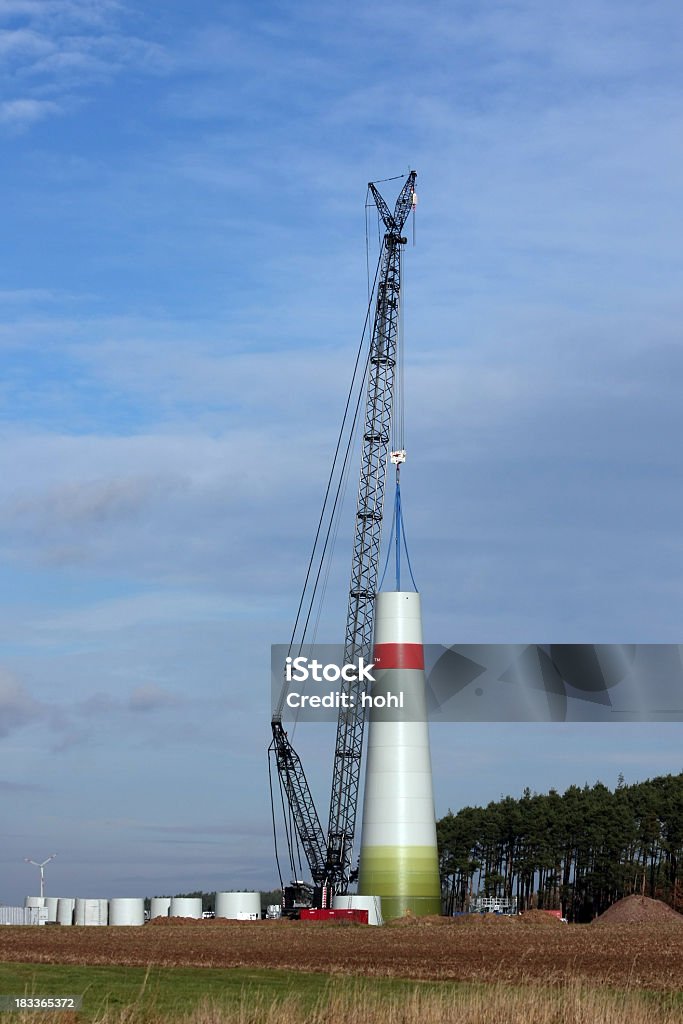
[329,858]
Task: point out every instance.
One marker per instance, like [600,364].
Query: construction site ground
[534,948]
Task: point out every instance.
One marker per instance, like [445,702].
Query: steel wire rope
[295,832]
[367,244]
[286,823]
[389,548]
[334,523]
[336,498]
[344,477]
[344,482]
[292,837]
[343,469]
[322,519]
[354,428]
[396,177]
[290,829]
[272,814]
[334,463]
[323,589]
[405,548]
[401,350]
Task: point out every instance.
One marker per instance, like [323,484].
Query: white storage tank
[90,912]
[239,906]
[65,911]
[34,901]
[373,905]
[160,906]
[186,906]
[51,903]
[126,911]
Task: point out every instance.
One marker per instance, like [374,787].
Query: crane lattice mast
[368,535]
[330,859]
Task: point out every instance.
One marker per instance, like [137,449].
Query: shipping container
[23,915]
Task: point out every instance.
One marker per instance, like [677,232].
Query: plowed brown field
[488,949]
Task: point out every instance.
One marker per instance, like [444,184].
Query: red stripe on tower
[398,656]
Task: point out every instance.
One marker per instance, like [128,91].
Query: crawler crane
[330,854]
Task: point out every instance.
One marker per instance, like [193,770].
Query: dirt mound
[412,921]
[471,920]
[485,920]
[204,922]
[191,920]
[540,917]
[639,910]
[173,920]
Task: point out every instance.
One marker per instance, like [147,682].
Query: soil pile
[639,910]
[413,921]
[189,920]
[542,918]
[485,920]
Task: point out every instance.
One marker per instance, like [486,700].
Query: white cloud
[62,12]
[17,707]
[23,42]
[22,113]
[62,50]
[138,611]
[150,697]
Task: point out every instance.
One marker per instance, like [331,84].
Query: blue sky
[183,288]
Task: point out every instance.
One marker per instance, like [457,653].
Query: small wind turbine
[42,870]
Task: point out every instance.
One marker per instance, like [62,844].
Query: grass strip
[186,995]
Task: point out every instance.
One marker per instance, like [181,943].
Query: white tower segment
[399,858]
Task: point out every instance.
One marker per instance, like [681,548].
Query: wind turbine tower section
[398,857]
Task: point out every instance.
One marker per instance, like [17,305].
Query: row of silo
[236,906]
[68,911]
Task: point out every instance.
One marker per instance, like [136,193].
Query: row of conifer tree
[577,852]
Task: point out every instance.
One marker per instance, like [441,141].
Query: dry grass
[573,1003]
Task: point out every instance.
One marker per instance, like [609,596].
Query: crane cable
[397,538]
[333,517]
[332,471]
[272,814]
[291,832]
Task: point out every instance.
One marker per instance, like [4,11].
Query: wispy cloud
[10,786]
[150,697]
[54,53]
[17,707]
[21,113]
